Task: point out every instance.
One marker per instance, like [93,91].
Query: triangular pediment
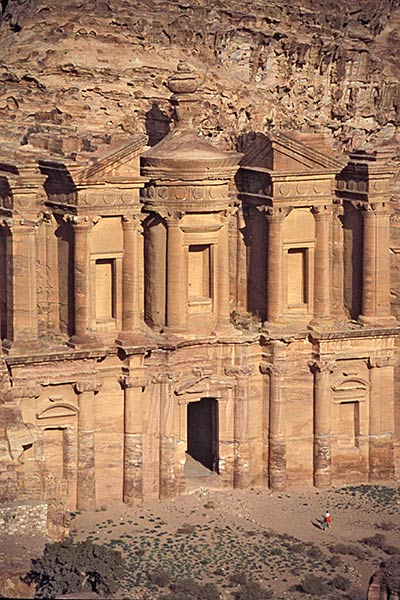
[279,152]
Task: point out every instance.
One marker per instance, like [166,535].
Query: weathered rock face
[385,583]
[93,71]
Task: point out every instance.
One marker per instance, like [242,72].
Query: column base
[76,341]
[322,480]
[21,346]
[225,328]
[322,322]
[388,321]
[127,339]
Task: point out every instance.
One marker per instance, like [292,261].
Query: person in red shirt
[326,520]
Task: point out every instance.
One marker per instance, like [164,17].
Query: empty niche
[297,276]
[199,275]
[105,289]
[349,424]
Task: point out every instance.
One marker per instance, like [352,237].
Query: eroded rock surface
[76,75]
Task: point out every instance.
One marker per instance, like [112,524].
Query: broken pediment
[297,153]
[122,163]
[119,167]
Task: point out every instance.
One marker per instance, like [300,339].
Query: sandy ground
[273,538]
[212,536]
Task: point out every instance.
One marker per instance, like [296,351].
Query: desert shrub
[376,541]
[190,589]
[66,567]
[252,590]
[335,561]
[348,549]
[386,525]
[311,584]
[298,548]
[238,578]
[340,583]
[210,504]
[186,529]
[160,578]
[314,552]
[391,550]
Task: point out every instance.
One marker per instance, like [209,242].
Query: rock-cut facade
[179,315]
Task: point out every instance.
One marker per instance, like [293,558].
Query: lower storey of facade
[101,427]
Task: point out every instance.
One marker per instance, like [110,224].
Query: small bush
[311,584]
[348,549]
[376,541]
[341,583]
[391,550]
[252,590]
[335,561]
[189,589]
[160,578]
[186,529]
[386,525]
[298,548]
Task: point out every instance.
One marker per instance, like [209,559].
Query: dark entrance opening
[203,432]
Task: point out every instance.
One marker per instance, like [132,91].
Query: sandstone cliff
[79,74]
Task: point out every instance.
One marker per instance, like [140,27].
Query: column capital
[275,213]
[132,221]
[267,368]
[88,385]
[322,365]
[128,382]
[380,361]
[163,378]
[83,221]
[239,370]
[321,211]
[173,218]
[373,209]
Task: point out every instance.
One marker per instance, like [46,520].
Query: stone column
[241,474]
[223,295]
[53,298]
[322,264]
[167,436]
[338,263]
[275,217]
[130,281]
[277,443]
[177,292]
[376,263]
[381,450]
[322,370]
[133,441]
[70,462]
[86,481]
[22,318]
[82,227]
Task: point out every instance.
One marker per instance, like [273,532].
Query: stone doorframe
[205,385]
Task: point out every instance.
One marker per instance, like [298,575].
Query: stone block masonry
[23,518]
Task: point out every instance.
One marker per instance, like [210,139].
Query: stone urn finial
[184,84]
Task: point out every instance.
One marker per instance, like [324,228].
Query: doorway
[202,418]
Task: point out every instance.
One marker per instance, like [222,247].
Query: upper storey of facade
[169,240]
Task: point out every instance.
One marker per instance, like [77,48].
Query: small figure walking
[326,521]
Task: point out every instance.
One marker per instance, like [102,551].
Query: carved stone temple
[177,303]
